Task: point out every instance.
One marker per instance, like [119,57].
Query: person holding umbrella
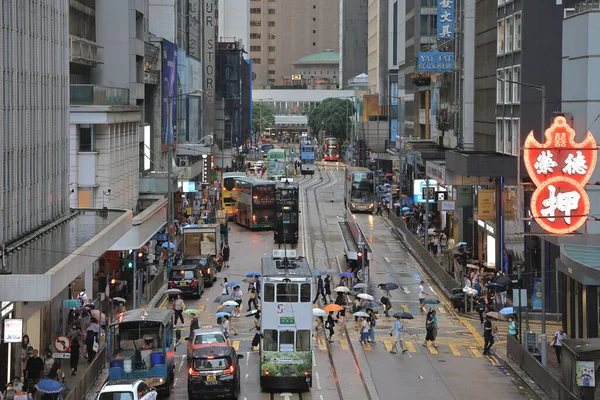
[319,330]
[488,335]
[364,331]
[194,323]
[327,285]
[396,332]
[329,324]
[431,327]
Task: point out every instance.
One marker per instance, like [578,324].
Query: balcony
[86,95]
[82,51]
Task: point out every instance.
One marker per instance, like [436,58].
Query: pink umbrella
[98,315]
[472,266]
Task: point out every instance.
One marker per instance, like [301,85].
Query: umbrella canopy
[403,315]
[495,315]
[248,280]
[223,298]
[233,284]
[173,291]
[222,314]
[317,272]
[70,303]
[366,296]
[470,291]
[389,175]
[49,386]
[333,307]
[495,287]
[360,286]
[460,244]
[502,280]
[373,305]
[388,286]
[251,313]
[120,299]
[472,266]
[231,303]
[227,309]
[347,274]
[317,312]
[507,311]
[98,315]
[360,314]
[431,301]
[191,311]
[405,208]
[170,245]
[253,274]
[341,289]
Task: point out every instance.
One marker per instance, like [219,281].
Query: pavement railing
[446,281]
[154,286]
[536,371]
[89,376]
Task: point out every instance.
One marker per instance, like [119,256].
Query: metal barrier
[154,286]
[89,376]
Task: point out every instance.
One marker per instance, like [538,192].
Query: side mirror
[153,389]
[240,356]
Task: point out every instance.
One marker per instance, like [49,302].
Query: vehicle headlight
[371,205]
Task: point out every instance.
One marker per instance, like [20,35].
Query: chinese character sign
[445,19]
[560,168]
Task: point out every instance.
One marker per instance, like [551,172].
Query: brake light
[193,372]
[230,370]
[306,373]
[208,271]
[267,373]
[113,281]
[195,282]
[254,218]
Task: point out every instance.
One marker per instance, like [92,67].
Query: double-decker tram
[360,190]
[331,149]
[287,196]
[286,313]
[227,192]
[276,164]
[255,201]
[307,157]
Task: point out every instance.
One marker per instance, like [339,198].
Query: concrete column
[468,100]
[89,281]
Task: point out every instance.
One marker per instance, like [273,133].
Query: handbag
[95,346]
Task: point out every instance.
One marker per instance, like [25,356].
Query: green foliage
[262,116]
[273,362]
[333,115]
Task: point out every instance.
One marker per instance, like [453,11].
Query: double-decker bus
[360,190]
[287,322]
[331,149]
[227,195]
[255,201]
[307,157]
[287,196]
[276,160]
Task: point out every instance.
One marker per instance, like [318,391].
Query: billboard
[445,19]
[435,61]
[194,131]
[169,88]
[182,102]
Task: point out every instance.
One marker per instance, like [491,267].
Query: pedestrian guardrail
[89,376]
[154,286]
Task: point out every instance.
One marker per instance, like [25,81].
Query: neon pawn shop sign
[560,168]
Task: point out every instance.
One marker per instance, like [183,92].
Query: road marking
[367,347]
[386,259]
[344,344]
[246,377]
[181,364]
[411,347]
[476,353]
[175,382]
[322,346]
[420,377]
[432,350]
[236,345]
[442,310]
[201,307]
[318,381]
[404,308]
[320,397]
[493,360]
[314,359]
[247,358]
[454,350]
[388,345]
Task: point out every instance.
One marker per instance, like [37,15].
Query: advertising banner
[169,88]
[182,84]
[419,186]
[537,294]
[486,205]
[435,61]
[286,363]
[13,331]
[585,373]
[445,19]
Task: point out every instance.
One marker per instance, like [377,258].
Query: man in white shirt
[558,343]
[422,295]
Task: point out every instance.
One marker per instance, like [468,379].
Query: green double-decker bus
[276,164]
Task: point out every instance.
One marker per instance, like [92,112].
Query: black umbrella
[502,280]
[388,286]
[495,287]
[227,309]
[373,305]
[223,298]
[403,315]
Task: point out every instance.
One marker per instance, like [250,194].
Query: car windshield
[210,364]
[182,275]
[209,338]
[116,396]
[194,261]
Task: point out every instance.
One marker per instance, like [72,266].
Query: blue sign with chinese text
[445,19]
[435,61]
[536,303]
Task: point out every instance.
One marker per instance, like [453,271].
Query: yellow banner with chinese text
[486,205]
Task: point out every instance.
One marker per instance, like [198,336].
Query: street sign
[61,355]
[62,343]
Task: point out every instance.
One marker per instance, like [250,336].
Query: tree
[262,116]
[333,115]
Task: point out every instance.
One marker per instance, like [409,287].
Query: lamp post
[171,201]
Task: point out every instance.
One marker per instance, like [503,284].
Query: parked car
[188,279]
[127,389]
[207,265]
[214,372]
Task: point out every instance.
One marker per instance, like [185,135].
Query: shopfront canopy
[582,263]
[144,226]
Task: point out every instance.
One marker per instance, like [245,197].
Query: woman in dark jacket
[74,354]
[329,324]
[327,284]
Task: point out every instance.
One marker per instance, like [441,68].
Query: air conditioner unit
[184,162]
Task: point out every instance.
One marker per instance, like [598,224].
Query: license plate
[211,378]
[182,284]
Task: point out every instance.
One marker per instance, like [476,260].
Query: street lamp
[171,201]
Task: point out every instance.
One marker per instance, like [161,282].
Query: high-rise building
[234,23]
[377,61]
[353,40]
[284,31]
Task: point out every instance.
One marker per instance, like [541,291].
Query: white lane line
[320,397]
[181,364]
[314,359]
[318,381]
[386,259]
[246,377]
[175,382]
[420,377]
[247,358]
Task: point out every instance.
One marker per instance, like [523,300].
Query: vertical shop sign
[445,19]
[560,168]
[208,61]
[486,206]
[537,294]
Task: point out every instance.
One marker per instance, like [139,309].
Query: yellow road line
[476,353]
[454,350]
[404,308]
[493,360]
[344,344]
[388,345]
[202,307]
[367,347]
[411,347]
[432,350]
[322,345]
[236,345]
[442,310]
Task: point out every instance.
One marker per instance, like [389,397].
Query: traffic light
[130,264]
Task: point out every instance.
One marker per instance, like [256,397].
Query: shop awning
[582,263]
[144,227]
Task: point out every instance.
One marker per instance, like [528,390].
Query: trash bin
[531,342]
[458,301]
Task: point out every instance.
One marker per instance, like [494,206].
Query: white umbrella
[342,289]
[173,291]
[360,314]
[231,303]
[366,296]
[317,312]
[360,286]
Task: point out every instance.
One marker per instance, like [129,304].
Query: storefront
[6,312]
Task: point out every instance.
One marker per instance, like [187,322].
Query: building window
[85,197]
[272,49]
[271,36]
[86,138]
[255,11]
[500,30]
[508,86]
[271,61]
[500,2]
[271,72]
[508,34]
[255,23]
[255,48]
[517,40]
[271,24]
[500,87]
[255,36]
[256,61]
[507,135]
[499,135]
[271,11]
[516,76]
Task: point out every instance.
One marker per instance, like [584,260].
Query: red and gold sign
[560,168]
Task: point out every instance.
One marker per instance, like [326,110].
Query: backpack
[219,320]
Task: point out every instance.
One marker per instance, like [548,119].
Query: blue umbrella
[70,303]
[171,245]
[223,314]
[507,311]
[405,208]
[348,274]
[253,274]
[49,386]
[232,284]
[460,244]
[496,287]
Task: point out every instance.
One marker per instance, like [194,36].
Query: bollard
[544,349]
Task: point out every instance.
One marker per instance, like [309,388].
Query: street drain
[441,360]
